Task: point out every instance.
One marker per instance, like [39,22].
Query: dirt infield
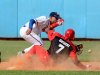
[23,64]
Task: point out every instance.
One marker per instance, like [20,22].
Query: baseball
[89,51]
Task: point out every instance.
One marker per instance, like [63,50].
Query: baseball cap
[55,14]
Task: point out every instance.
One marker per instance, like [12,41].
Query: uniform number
[60,49]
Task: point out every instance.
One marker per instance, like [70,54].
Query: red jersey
[60,46]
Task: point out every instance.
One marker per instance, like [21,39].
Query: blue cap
[55,14]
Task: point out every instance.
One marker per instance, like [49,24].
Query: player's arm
[76,61]
[51,33]
[59,22]
[32,21]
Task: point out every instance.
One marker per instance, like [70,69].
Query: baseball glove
[79,49]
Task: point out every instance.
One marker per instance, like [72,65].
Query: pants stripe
[36,40]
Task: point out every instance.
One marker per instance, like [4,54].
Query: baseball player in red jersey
[60,46]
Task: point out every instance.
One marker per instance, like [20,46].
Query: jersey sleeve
[73,54]
[32,21]
[51,35]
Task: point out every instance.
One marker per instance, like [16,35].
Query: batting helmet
[70,34]
[55,14]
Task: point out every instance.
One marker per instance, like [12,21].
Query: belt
[24,26]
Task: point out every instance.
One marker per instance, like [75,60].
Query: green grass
[49,73]
[10,48]
[94,46]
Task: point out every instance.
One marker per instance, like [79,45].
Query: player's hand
[28,31]
[88,67]
[79,49]
[60,21]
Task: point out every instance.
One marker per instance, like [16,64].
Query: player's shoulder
[71,44]
[60,35]
[65,40]
[42,18]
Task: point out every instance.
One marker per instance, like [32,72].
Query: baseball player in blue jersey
[31,30]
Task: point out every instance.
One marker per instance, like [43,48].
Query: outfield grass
[94,46]
[49,73]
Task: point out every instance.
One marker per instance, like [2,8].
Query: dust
[21,63]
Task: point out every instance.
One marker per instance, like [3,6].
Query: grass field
[9,48]
[49,73]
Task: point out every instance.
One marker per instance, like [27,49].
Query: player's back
[60,47]
[42,22]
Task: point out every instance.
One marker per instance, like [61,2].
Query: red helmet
[70,34]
